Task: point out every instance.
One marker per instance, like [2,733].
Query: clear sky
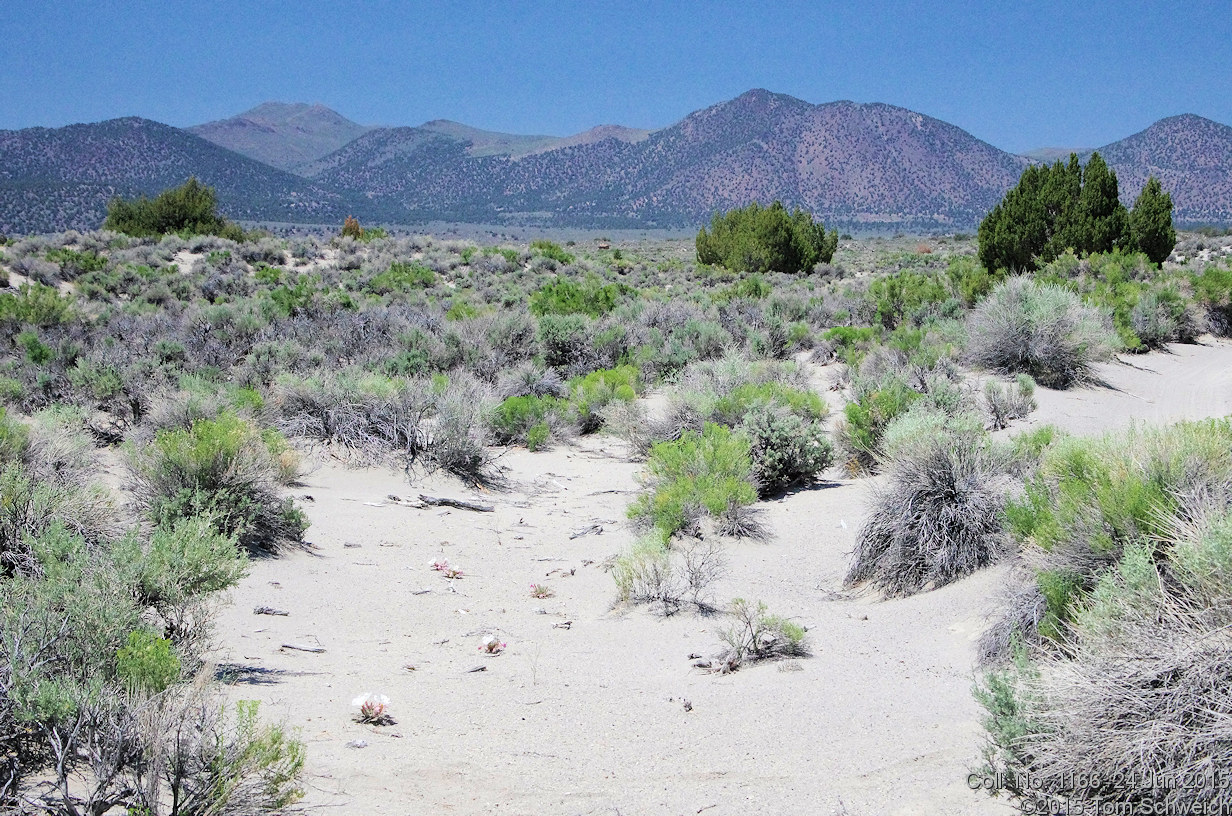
[1015,73]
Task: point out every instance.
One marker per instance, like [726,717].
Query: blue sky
[1017,74]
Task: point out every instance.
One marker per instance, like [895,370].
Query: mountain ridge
[855,165]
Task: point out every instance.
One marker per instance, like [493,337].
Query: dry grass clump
[669,579]
[937,518]
[1119,692]
[1044,330]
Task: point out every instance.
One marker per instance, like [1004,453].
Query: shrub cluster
[190,209]
[1122,672]
[765,239]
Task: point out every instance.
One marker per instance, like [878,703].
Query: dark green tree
[1016,232]
[190,209]
[1053,210]
[1103,219]
[1150,222]
[765,239]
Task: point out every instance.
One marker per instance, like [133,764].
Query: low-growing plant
[591,394]
[669,579]
[517,418]
[566,296]
[223,468]
[699,475]
[1005,403]
[551,249]
[402,277]
[756,635]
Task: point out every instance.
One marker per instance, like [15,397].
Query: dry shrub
[1023,327]
[755,634]
[937,518]
[669,579]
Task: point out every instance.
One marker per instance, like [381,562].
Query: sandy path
[590,719]
[1186,382]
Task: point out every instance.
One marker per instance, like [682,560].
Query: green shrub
[593,392]
[565,296]
[970,281]
[516,418]
[550,249]
[402,277]
[753,287]
[35,305]
[731,408]
[697,475]
[74,264]
[905,296]
[147,663]
[222,468]
[190,209]
[765,239]
[866,419]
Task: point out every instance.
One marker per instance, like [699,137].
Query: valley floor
[591,718]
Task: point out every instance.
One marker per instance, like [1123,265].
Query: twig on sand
[436,501]
[299,648]
[594,529]
[269,610]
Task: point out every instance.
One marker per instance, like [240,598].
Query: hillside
[1192,158]
[282,135]
[55,179]
[856,166]
[860,165]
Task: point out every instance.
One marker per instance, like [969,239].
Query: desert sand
[591,718]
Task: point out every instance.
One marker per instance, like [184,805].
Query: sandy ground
[591,719]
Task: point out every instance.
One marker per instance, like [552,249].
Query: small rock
[688,706]
[357,743]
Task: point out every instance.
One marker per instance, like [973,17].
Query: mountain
[1192,158]
[283,135]
[857,165]
[487,142]
[62,178]
[1048,155]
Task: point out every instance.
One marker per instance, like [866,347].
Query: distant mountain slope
[1192,158]
[55,179]
[487,142]
[282,135]
[1048,155]
[851,164]
[856,166]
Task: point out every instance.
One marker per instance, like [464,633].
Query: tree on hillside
[1150,222]
[766,239]
[191,209]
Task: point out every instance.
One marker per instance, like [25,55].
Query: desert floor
[591,718]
